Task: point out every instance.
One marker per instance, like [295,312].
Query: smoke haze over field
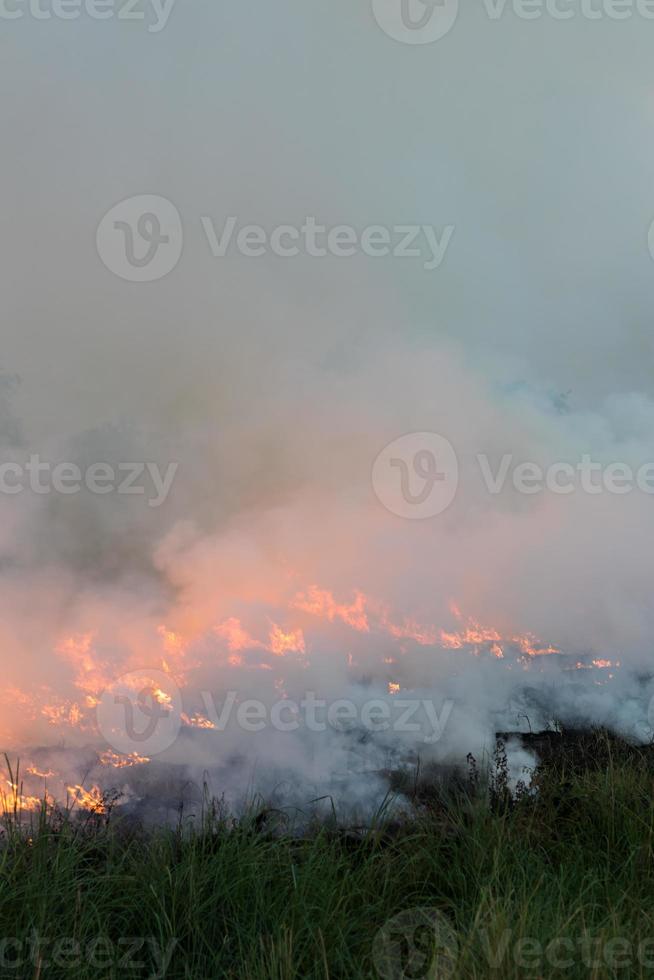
[274,383]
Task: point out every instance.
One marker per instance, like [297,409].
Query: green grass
[570,863]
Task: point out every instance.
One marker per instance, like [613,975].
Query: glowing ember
[116,761]
[92,800]
[33,771]
[197,721]
[281,642]
[161,697]
[63,714]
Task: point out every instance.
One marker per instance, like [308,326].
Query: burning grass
[551,881]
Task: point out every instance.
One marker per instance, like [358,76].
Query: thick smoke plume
[272,568]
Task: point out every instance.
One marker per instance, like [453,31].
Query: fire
[116,761]
[161,697]
[92,800]
[277,630]
[281,642]
[173,643]
[15,801]
[530,646]
[473,634]
[410,630]
[597,665]
[321,602]
[63,714]
[91,674]
[197,721]
[237,638]
[367,615]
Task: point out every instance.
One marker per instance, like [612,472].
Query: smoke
[273,385]
[274,570]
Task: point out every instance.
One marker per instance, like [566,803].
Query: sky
[532,138]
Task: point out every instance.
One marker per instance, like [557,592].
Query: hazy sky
[533,138]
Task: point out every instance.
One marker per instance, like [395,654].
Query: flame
[473,634]
[597,665]
[410,630]
[321,602]
[63,714]
[277,630]
[174,644]
[116,761]
[197,721]
[92,799]
[237,638]
[91,675]
[530,646]
[160,696]
[281,642]
[365,614]
[16,801]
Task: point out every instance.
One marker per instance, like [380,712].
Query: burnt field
[481,876]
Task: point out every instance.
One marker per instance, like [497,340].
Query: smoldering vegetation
[513,875]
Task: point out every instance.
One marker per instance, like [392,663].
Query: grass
[558,882]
